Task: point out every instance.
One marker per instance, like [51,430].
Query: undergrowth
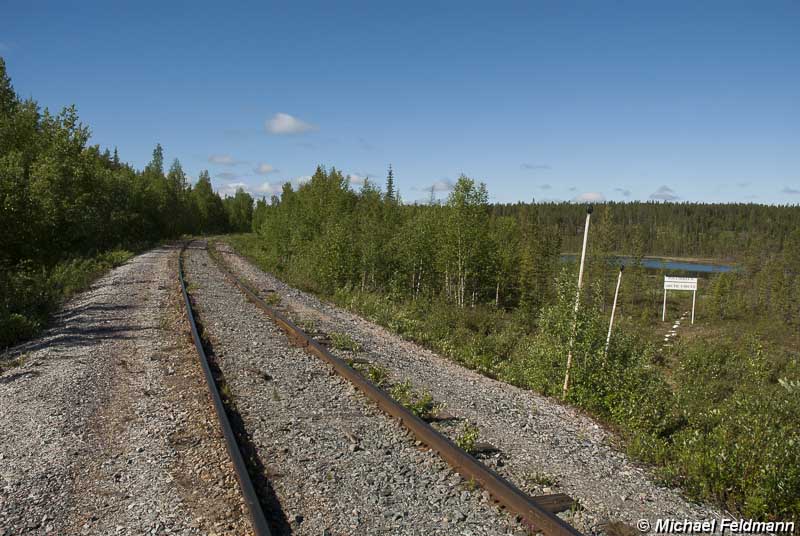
[30,293]
[721,420]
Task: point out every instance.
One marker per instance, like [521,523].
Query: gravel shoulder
[335,463]
[545,447]
[107,427]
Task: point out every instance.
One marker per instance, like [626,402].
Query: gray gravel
[107,427]
[545,447]
[336,464]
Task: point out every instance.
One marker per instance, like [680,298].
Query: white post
[613,309]
[577,300]
[664,309]
[694,294]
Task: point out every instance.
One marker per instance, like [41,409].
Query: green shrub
[468,437]
[343,341]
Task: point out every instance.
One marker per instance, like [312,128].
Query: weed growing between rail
[715,421]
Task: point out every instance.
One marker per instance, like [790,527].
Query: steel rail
[257,519]
[537,514]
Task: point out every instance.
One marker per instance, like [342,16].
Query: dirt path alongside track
[107,427]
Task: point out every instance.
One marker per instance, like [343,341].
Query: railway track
[257,519]
[537,513]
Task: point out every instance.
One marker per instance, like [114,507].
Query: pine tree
[390,193]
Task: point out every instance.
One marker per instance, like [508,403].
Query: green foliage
[468,437]
[63,202]
[343,341]
[28,294]
[377,375]
[422,405]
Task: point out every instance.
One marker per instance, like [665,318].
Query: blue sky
[695,101]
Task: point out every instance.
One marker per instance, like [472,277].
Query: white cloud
[443,185]
[270,188]
[526,165]
[229,189]
[226,175]
[589,197]
[282,123]
[264,169]
[223,160]
[357,179]
[664,193]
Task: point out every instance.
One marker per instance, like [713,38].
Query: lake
[667,264]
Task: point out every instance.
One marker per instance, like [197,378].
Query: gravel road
[335,463]
[107,427]
[545,447]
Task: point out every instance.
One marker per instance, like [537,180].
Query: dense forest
[487,286]
[69,210]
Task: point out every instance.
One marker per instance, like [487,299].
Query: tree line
[468,251]
[62,199]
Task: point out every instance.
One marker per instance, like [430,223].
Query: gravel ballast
[107,426]
[544,446]
[335,463]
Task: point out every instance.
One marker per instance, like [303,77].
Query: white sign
[680,283]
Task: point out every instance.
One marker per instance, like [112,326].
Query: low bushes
[721,421]
[28,294]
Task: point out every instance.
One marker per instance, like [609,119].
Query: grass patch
[12,363]
[344,342]
[420,404]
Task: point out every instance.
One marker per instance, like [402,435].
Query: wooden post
[613,309]
[577,301]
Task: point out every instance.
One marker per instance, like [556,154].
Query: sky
[561,100]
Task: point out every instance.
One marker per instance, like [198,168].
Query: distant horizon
[599,102]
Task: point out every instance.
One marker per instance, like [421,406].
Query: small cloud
[229,190]
[751,196]
[572,188]
[589,197]
[534,166]
[742,184]
[264,169]
[790,191]
[545,186]
[357,179]
[270,188]
[624,191]
[443,185]
[282,123]
[226,176]
[223,160]
[664,193]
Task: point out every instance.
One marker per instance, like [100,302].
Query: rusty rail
[257,519]
[537,513]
